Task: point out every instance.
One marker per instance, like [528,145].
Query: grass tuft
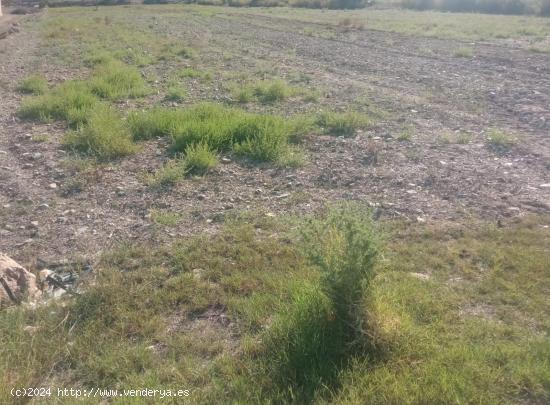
[103,136]
[71,101]
[267,92]
[342,124]
[168,175]
[199,159]
[263,138]
[176,93]
[115,80]
[33,84]
[500,139]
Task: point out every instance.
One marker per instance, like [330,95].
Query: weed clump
[194,74]
[71,101]
[500,140]
[168,175]
[199,159]
[265,91]
[33,84]
[176,93]
[315,335]
[104,135]
[342,124]
[263,138]
[115,80]
[155,122]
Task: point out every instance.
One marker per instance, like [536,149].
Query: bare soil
[418,84]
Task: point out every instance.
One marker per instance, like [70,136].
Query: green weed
[168,175]
[342,124]
[115,80]
[500,139]
[33,84]
[71,101]
[165,218]
[176,93]
[260,137]
[104,135]
[199,159]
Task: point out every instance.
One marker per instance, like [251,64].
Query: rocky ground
[52,209]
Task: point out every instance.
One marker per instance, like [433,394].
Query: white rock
[16,283]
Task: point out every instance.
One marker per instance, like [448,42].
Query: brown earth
[415,82]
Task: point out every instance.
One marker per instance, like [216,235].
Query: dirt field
[252,281]
[413,85]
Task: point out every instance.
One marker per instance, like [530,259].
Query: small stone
[53,186]
[411,191]
[34,224]
[43,206]
[225,160]
[545,185]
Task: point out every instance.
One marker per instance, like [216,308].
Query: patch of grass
[260,137]
[199,159]
[463,52]
[310,340]
[98,57]
[272,91]
[406,135]
[176,93]
[265,91]
[479,308]
[263,138]
[156,122]
[500,139]
[104,135]
[71,101]
[342,124]
[33,84]
[243,95]
[40,138]
[473,329]
[168,175]
[165,218]
[174,50]
[115,80]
